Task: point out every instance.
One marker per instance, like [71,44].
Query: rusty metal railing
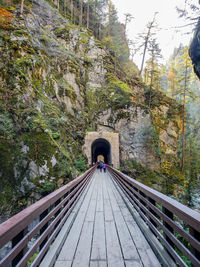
[48,215]
[176,226]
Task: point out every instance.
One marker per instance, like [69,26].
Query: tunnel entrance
[101,149]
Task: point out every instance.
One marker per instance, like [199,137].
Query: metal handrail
[51,212]
[166,217]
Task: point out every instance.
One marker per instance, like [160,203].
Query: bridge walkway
[104,232]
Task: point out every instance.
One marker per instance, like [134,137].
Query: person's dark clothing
[104,167]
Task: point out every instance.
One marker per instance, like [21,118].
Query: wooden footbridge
[102,219]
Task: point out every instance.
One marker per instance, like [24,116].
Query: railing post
[16,240]
[196,235]
[171,216]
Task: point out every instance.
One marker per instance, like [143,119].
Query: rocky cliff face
[57,82]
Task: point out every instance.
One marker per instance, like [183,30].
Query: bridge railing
[176,226]
[29,244]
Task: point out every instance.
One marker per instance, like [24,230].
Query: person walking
[104,167]
[100,166]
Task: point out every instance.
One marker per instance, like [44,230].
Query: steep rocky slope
[57,83]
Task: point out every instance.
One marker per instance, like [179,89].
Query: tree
[71,8]
[146,37]
[128,18]
[183,92]
[115,38]
[172,78]
[152,67]
[81,13]
[22,7]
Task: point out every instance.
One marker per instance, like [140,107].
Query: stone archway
[104,143]
[101,147]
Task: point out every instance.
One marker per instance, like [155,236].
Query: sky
[167,18]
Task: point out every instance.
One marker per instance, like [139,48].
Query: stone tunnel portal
[101,147]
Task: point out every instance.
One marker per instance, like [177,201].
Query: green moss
[40,146]
[158,98]
[140,173]
[117,85]
[65,89]
[122,115]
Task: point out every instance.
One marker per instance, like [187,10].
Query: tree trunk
[65,8]
[22,7]
[150,26]
[143,55]
[81,13]
[184,116]
[88,15]
[151,81]
[71,7]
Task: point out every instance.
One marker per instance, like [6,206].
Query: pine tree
[172,78]
[184,70]
[152,67]
[146,37]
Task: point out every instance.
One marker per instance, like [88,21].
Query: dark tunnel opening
[101,147]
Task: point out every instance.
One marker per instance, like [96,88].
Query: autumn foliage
[5,17]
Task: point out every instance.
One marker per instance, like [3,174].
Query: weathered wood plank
[82,256]
[99,206]
[83,251]
[132,263]
[99,242]
[56,247]
[146,253]
[98,264]
[63,264]
[127,245]
[114,254]
[106,200]
[69,247]
[92,206]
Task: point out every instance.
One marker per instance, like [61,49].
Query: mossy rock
[40,146]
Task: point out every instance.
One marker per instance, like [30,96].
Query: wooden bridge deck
[104,232]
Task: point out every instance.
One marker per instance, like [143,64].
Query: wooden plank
[114,254]
[127,245]
[132,263]
[99,206]
[83,251]
[99,242]
[82,256]
[56,247]
[146,253]
[92,206]
[98,264]
[63,264]
[69,247]
[107,207]
[115,206]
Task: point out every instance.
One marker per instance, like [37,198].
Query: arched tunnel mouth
[101,149]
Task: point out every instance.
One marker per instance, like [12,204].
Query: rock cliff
[56,83]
